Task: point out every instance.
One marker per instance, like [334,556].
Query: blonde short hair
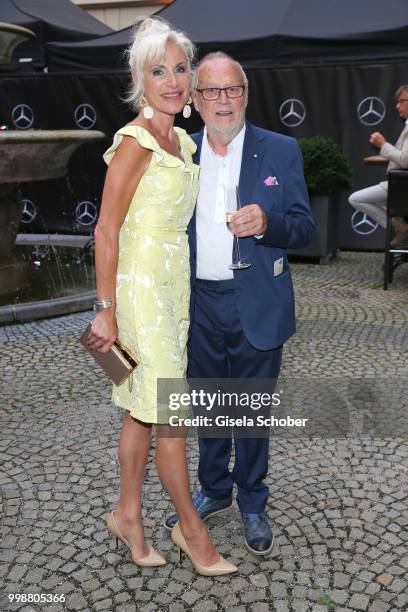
[150,37]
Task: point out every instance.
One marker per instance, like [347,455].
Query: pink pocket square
[270,181]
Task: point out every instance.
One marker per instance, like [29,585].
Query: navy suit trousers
[218,348]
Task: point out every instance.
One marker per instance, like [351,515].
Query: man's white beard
[226,136]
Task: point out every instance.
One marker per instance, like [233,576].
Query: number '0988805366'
[36,597]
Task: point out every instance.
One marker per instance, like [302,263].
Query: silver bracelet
[101,305]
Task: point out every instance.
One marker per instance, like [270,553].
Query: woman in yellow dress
[142,269]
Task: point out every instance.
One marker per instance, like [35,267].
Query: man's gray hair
[217,55]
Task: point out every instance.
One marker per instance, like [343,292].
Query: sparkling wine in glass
[232,204]
[228,219]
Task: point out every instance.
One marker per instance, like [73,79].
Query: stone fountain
[10,36]
[25,156]
[32,155]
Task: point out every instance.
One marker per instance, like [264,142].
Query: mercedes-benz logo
[363,224]
[22,116]
[86,213]
[292,112]
[85,116]
[28,211]
[371,110]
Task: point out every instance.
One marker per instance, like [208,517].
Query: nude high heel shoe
[216,569]
[152,559]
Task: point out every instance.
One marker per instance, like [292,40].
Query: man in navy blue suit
[241,318]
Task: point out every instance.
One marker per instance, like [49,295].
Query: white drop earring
[187,110]
[148,112]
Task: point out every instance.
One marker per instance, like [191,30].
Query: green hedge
[327,169]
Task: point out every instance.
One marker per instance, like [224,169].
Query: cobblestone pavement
[339,506]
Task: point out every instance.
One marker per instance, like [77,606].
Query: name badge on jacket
[278,266]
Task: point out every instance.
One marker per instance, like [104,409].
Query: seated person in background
[373,200]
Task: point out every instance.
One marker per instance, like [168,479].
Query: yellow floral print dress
[153,276]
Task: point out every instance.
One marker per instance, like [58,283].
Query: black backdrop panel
[346,103]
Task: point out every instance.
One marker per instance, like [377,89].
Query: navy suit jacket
[265,301]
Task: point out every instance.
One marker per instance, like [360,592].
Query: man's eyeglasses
[213,93]
[401,100]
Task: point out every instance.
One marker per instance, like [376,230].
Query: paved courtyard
[339,506]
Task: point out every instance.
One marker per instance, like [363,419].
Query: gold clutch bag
[118,362]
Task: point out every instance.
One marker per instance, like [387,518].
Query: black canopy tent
[102,54]
[50,20]
[263,33]
[335,70]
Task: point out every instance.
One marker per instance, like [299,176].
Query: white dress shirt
[218,174]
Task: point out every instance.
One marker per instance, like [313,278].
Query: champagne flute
[232,204]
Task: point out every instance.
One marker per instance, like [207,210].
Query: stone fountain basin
[39,155]
[10,36]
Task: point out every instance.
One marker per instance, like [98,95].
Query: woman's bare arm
[124,173]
